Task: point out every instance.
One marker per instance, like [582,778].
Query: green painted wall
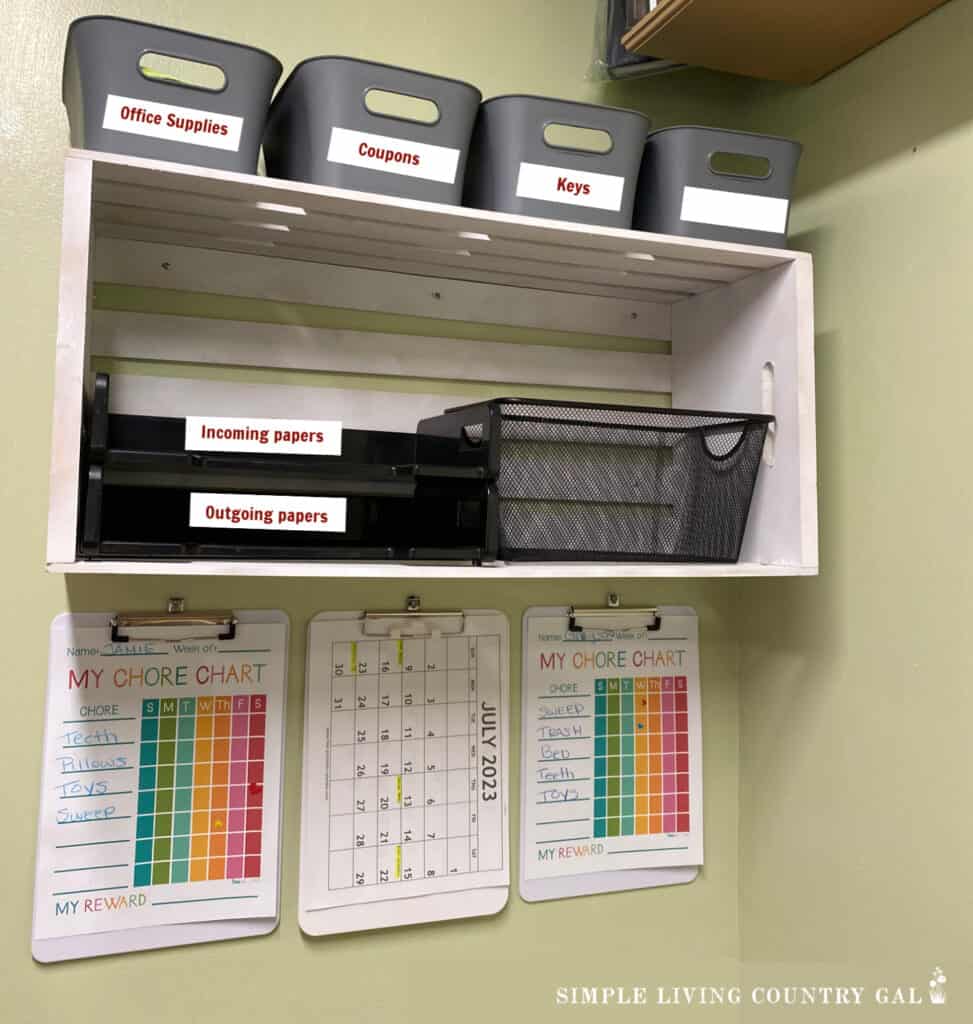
[856,782]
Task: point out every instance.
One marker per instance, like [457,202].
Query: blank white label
[174,124]
[734,210]
[279,437]
[397,156]
[575,188]
[267,512]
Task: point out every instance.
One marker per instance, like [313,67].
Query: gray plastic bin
[113,106]
[514,169]
[680,192]
[320,130]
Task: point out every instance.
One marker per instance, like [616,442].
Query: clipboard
[125,643]
[373,853]
[599,627]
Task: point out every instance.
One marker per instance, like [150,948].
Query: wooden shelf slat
[399,570]
[786,42]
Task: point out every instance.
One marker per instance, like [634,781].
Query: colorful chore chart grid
[160,796]
[200,800]
[611,769]
[408,736]
[641,756]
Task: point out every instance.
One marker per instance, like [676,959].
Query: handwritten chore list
[160,796]
[611,770]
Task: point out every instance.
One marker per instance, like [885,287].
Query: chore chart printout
[404,803]
[611,771]
[160,796]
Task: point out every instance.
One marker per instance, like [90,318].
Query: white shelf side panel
[70,361]
[724,348]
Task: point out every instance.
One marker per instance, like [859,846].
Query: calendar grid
[403,760]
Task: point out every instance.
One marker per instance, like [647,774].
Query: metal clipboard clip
[174,615]
[611,617]
[410,622]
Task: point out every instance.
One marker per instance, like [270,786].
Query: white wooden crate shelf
[731,314]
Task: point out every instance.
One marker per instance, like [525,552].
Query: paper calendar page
[405,794]
[611,769]
[161,779]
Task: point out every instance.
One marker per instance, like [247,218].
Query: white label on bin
[565,185]
[280,437]
[267,512]
[734,210]
[397,156]
[174,124]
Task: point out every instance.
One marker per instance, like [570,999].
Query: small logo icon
[937,987]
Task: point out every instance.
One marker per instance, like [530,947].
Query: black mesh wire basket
[605,482]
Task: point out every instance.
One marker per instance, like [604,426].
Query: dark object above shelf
[786,42]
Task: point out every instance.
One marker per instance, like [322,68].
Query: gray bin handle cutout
[571,135]
[236,63]
[403,99]
[725,163]
[164,78]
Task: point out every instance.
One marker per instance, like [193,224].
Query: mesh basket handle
[729,428]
